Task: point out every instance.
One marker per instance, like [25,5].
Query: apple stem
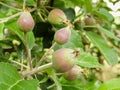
[41,16]
[46,53]
[13,61]
[9,6]
[24,4]
[38,69]
[3,20]
[90,26]
[28,51]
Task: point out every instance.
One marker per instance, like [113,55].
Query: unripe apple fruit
[89,20]
[62,36]
[57,17]
[63,59]
[26,22]
[73,73]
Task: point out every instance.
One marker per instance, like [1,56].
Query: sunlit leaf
[108,52]
[108,33]
[79,84]
[11,80]
[87,60]
[112,84]
[103,13]
[88,4]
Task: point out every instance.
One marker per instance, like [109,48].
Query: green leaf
[1,30]
[68,3]
[30,2]
[52,75]
[108,52]
[70,13]
[30,39]
[59,4]
[26,85]
[11,80]
[86,60]
[72,85]
[6,44]
[76,2]
[88,4]
[113,84]
[2,15]
[12,25]
[74,42]
[79,84]
[103,13]
[107,33]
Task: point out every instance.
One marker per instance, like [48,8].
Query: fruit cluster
[63,59]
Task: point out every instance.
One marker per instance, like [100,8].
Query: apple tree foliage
[95,37]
